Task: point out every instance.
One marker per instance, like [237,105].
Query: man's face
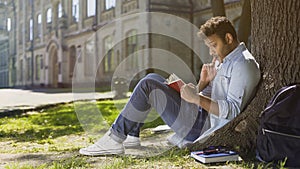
[217,47]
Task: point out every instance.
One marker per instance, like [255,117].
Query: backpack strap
[277,95]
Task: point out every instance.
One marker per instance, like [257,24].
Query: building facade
[53,43]
[4,67]
[4,55]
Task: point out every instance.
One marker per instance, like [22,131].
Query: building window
[3,54]
[38,59]
[31,29]
[39,25]
[131,48]
[91,8]
[28,69]
[109,60]
[72,61]
[75,10]
[21,33]
[42,62]
[110,4]
[88,60]
[21,70]
[60,10]
[49,15]
[8,24]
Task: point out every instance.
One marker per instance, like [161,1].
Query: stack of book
[215,155]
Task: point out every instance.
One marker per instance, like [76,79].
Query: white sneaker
[132,141]
[178,141]
[104,146]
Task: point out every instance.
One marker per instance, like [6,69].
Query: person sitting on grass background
[225,88]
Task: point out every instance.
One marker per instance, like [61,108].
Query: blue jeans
[184,118]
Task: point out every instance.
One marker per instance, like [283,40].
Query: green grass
[61,164]
[57,131]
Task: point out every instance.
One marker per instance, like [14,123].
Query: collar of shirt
[235,52]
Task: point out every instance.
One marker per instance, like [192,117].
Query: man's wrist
[197,99]
[201,85]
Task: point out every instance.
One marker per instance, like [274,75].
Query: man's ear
[228,38]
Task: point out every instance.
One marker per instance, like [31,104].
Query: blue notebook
[216,157]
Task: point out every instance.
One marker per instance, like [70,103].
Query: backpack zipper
[264,131]
[275,99]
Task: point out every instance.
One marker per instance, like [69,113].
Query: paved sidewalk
[18,99]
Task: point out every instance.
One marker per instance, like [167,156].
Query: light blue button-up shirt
[233,86]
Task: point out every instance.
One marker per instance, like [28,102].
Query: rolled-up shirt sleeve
[228,109]
[244,78]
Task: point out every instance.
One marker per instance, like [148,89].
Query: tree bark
[276,46]
[218,8]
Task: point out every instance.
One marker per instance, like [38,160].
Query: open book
[174,82]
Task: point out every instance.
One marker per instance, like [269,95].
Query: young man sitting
[225,87]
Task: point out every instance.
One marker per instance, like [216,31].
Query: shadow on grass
[62,120]
[42,161]
[46,124]
[36,126]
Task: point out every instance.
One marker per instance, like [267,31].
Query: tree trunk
[218,8]
[245,22]
[276,46]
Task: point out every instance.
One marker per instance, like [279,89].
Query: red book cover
[174,82]
[176,85]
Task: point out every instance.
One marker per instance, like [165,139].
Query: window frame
[90,12]
[8,24]
[132,47]
[39,25]
[109,4]
[59,10]
[75,11]
[109,60]
[49,15]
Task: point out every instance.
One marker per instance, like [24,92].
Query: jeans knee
[146,81]
[152,75]
[155,77]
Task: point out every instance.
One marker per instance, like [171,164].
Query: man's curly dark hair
[218,25]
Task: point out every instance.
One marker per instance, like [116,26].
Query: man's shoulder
[244,58]
[246,65]
[247,55]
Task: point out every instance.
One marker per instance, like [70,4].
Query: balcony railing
[108,15]
[129,6]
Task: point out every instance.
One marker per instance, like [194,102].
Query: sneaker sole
[132,144]
[99,153]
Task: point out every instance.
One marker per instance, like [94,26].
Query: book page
[174,82]
[172,78]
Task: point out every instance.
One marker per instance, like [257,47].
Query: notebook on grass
[215,157]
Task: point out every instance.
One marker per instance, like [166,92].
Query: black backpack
[279,131]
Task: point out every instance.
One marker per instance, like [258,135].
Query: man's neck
[235,45]
[231,48]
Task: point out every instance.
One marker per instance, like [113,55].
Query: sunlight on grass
[73,162]
[58,130]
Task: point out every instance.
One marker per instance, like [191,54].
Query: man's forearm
[209,105]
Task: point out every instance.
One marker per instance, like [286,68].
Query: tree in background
[245,23]
[276,46]
[218,8]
